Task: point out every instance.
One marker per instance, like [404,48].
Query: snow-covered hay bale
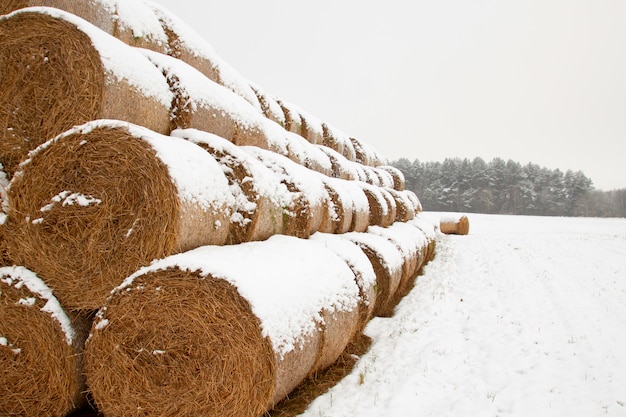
[224,331]
[269,106]
[404,206]
[188,46]
[430,230]
[308,155]
[361,267]
[202,104]
[387,261]
[132,22]
[293,121]
[259,194]
[415,201]
[94,204]
[454,224]
[308,196]
[57,70]
[338,141]
[340,207]
[399,181]
[412,244]
[40,349]
[380,211]
[340,166]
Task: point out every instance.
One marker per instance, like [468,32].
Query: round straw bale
[417,205]
[404,206]
[40,349]
[371,176]
[188,46]
[340,206]
[454,224]
[430,230]
[385,177]
[309,199]
[202,104]
[102,199]
[362,269]
[307,154]
[341,167]
[293,121]
[413,246]
[378,205]
[330,140]
[225,331]
[270,107]
[57,70]
[391,207]
[312,129]
[361,206]
[132,22]
[387,261]
[399,182]
[259,194]
[362,153]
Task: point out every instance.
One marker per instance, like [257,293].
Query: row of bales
[174,240]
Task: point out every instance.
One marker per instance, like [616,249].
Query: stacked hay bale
[276,237]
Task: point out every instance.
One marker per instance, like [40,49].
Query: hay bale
[269,106]
[412,244]
[391,207]
[371,177]
[340,166]
[387,262]
[415,202]
[188,46]
[308,155]
[57,70]
[379,211]
[293,122]
[40,349]
[361,205]
[454,224]
[361,267]
[404,205]
[4,205]
[259,194]
[102,199]
[385,178]
[312,129]
[399,181]
[224,331]
[430,230]
[338,141]
[308,196]
[132,22]
[202,104]
[340,207]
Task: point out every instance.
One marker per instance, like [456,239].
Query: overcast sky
[540,81]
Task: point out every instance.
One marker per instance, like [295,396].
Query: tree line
[507,187]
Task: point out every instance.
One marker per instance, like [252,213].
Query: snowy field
[525,316]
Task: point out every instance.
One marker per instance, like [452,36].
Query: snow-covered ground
[525,316]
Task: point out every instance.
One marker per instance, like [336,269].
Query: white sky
[540,81]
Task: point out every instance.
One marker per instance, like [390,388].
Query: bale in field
[338,141]
[415,202]
[260,197]
[387,261]
[404,206]
[220,331]
[40,349]
[412,244]
[188,46]
[293,122]
[430,230]
[202,104]
[341,207]
[133,22]
[307,154]
[454,224]
[309,199]
[399,181]
[340,166]
[269,105]
[107,197]
[380,213]
[57,71]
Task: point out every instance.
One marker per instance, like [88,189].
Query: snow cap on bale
[104,198]
[338,141]
[188,46]
[397,175]
[404,205]
[387,261]
[269,106]
[306,154]
[58,71]
[131,21]
[259,195]
[40,349]
[340,207]
[201,103]
[308,195]
[225,331]
[341,167]
[380,213]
